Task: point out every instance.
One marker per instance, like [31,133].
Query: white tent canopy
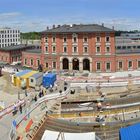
[52,135]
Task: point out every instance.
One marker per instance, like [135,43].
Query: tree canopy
[31,35]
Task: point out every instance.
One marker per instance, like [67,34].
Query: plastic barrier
[10,108]
[27,128]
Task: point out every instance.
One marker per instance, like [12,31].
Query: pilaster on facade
[70,66]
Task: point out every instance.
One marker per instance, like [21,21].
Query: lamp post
[18,95]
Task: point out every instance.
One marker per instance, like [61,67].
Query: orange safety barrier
[27,128]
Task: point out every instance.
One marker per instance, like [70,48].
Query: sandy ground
[8,93]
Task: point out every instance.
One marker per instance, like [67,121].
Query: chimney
[47,28]
[103,24]
[112,27]
[53,26]
[73,25]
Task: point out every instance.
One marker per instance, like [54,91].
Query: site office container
[25,79]
[16,77]
[49,79]
[36,79]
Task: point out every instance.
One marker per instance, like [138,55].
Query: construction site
[96,106]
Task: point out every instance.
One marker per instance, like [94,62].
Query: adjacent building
[9,37]
[127,52]
[31,58]
[13,53]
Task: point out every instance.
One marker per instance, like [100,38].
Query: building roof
[127,51]
[29,74]
[130,132]
[34,51]
[79,28]
[22,73]
[37,75]
[16,47]
[49,75]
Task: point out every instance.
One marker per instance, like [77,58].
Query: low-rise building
[31,58]
[13,53]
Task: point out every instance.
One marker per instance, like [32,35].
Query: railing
[10,108]
[18,120]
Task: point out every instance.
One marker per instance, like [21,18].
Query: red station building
[79,47]
[82,47]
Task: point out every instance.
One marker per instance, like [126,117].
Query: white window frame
[106,66]
[128,64]
[46,64]
[25,60]
[106,39]
[63,39]
[73,48]
[99,39]
[100,49]
[100,66]
[46,49]
[31,62]
[73,36]
[53,39]
[84,39]
[46,39]
[53,46]
[64,49]
[53,65]
[122,65]
[137,64]
[106,49]
[37,62]
[84,49]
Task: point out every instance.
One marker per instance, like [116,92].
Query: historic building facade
[79,47]
[31,58]
[13,53]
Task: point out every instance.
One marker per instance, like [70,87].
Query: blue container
[49,79]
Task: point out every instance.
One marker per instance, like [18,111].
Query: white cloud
[25,23]
[9,15]
[123,23]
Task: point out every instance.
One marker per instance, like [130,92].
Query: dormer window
[53,39]
[46,39]
[107,39]
[85,39]
[74,38]
[53,49]
[98,39]
[64,39]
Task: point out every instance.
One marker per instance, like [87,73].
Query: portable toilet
[25,78]
[16,77]
[49,79]
[36,79]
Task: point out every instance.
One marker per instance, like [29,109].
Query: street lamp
[18,95]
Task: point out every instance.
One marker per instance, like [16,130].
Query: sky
[36,15]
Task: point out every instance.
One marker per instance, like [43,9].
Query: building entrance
[75,64]
[86,64]
[65,63]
